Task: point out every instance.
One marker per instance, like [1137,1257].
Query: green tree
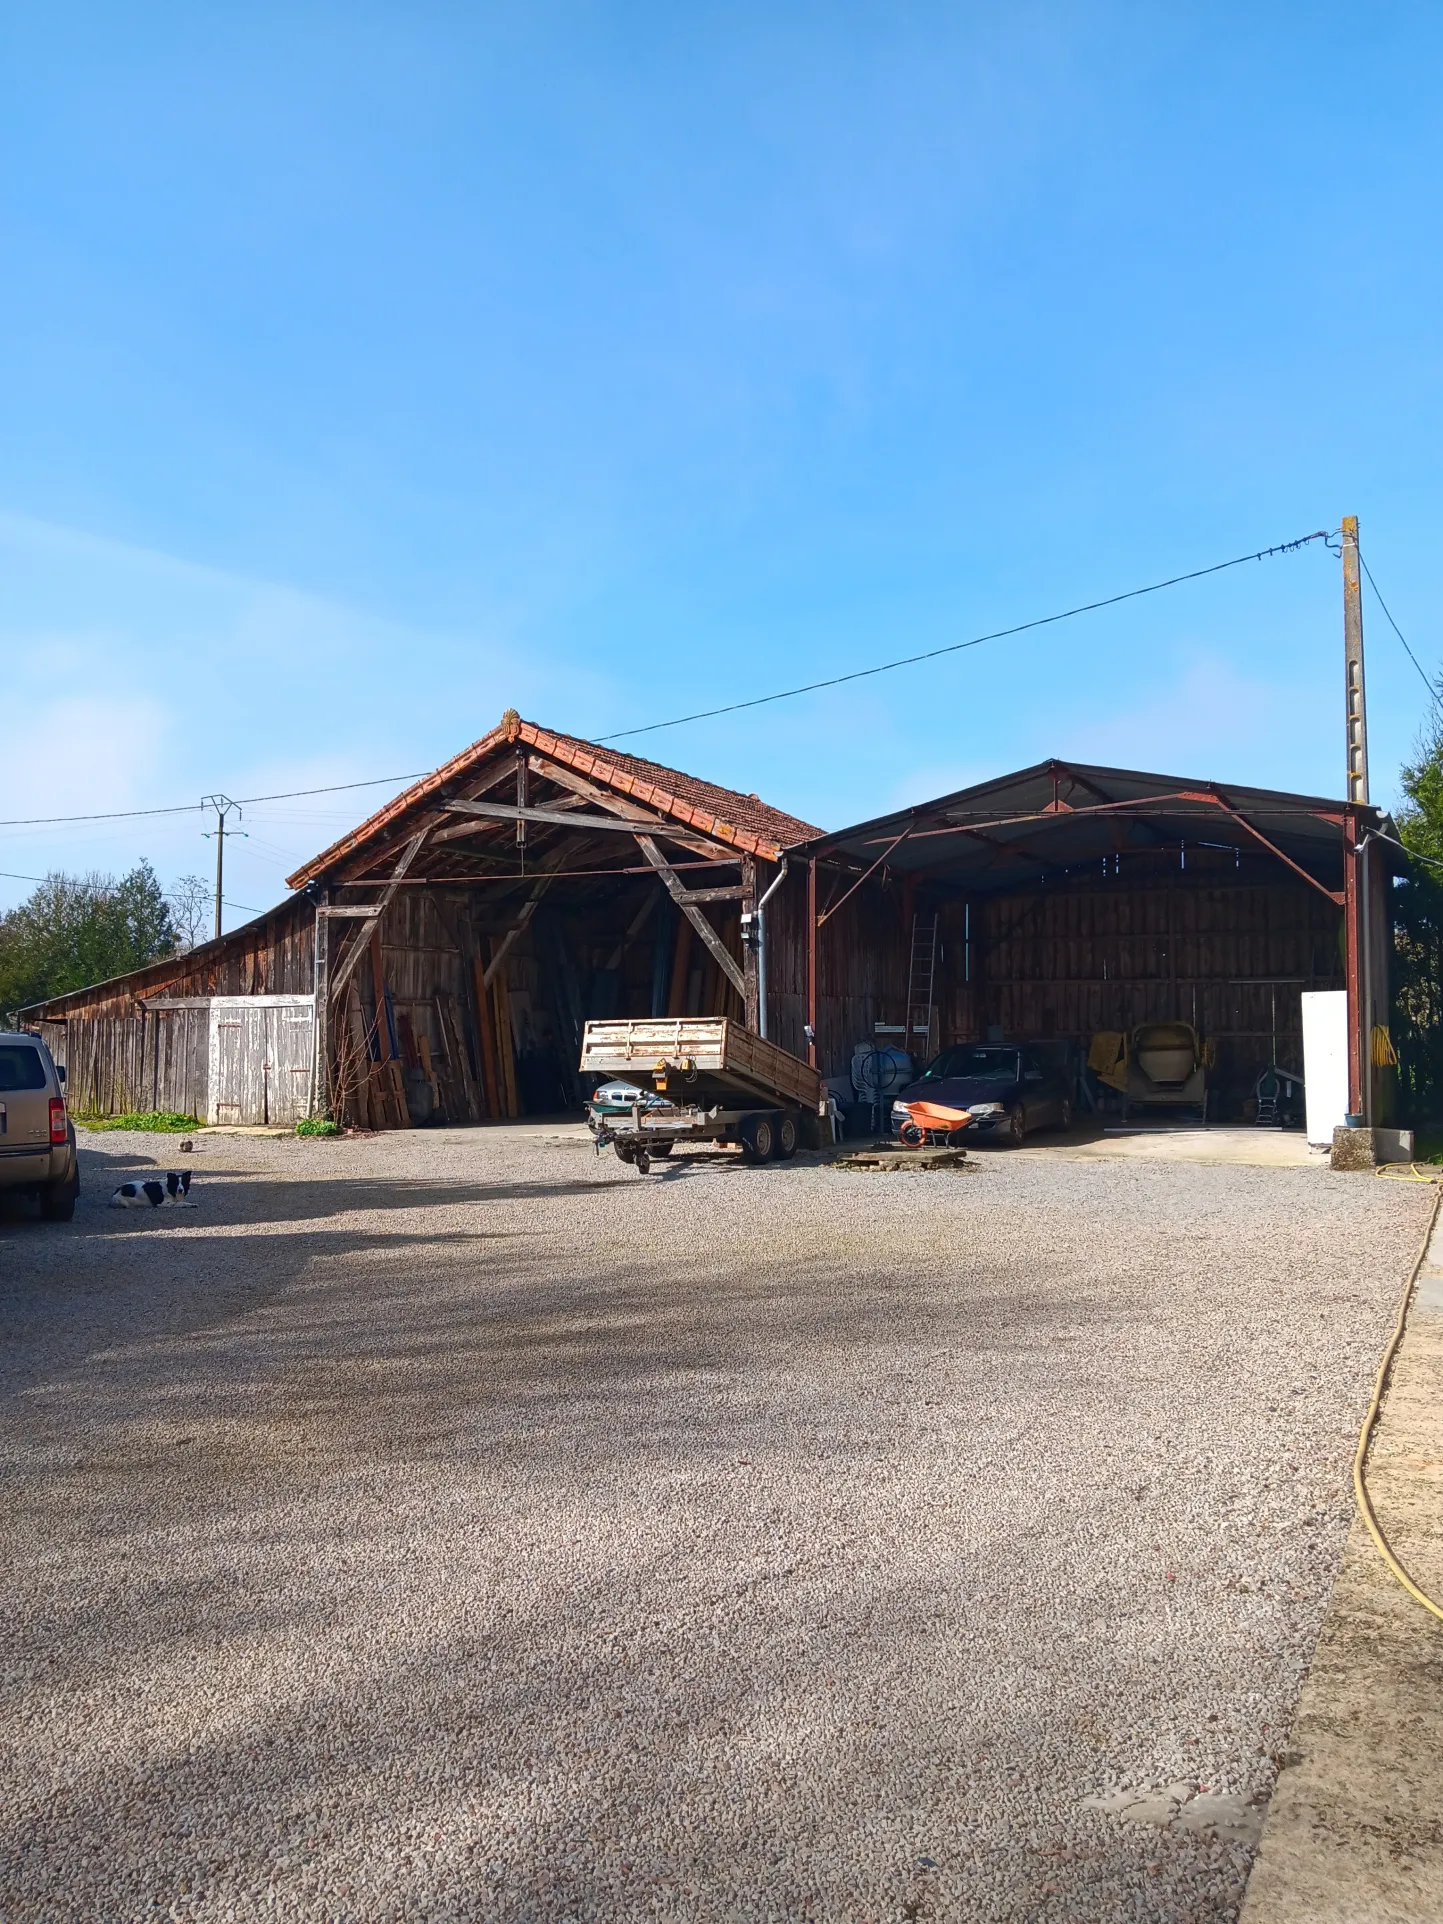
[79,929]
[1418,931]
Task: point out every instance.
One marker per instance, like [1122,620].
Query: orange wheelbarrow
[930,1122]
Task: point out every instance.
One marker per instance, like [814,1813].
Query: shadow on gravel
[365,1550]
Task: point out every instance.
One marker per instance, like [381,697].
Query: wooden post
[390,1079]
[360,1050]
[506,1044]
[1355,692]
[812,961]
[321,1068]
[687,903]
[752,997]
[680,968]
[490,1079]
[1352,946]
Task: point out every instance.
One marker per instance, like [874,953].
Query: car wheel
[786,1138]
[759,1136]
[57,1201]
[1016,1128]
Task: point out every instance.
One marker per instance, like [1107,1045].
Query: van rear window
[20,1067]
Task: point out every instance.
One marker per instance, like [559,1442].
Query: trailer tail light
[57,1119]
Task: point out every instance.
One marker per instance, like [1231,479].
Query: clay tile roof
[721,813]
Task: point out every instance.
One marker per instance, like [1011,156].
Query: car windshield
[998,1065]
[21,1067]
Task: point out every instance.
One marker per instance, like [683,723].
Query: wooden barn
[439,962]
[1067,900]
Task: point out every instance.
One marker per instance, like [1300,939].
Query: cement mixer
[1166,1069]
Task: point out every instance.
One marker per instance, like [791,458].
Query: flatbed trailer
[707,1079]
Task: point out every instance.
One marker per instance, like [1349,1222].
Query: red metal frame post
[812,960]
[1352,952]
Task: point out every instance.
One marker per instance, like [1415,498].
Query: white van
[37,1137]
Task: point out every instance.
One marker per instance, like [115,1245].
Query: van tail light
[57,1119]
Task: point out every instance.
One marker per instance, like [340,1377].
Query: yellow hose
[1365,1435]
[1407,1171]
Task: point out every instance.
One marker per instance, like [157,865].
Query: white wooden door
[260,1058]
[290,1045]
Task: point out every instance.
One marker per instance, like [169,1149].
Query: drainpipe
[779,878]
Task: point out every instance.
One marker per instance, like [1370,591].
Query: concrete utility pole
[1355,872]
[222,804]
[1355,690]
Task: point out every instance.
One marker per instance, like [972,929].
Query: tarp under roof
[1004,834]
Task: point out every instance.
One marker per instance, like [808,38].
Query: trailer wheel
[759,1135]
[662,1148]
[786,1138]
[624,1151]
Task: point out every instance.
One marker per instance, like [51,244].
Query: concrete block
[1393,1145]
[1364,1148]
[1353,1149]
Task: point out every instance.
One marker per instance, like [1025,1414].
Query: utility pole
[1355,690]
[1357,972]
[222,804]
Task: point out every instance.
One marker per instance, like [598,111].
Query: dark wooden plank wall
[1228,947]
[1231,958]
[862,957]
[554,976]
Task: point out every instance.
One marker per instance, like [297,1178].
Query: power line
[1433,692]
[185,808]
[732,708]
[9,875]
[956,647]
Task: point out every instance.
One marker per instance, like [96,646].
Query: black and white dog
[150,1195]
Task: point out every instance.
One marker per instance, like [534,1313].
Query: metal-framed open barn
[1068,899]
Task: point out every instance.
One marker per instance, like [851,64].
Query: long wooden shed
[446,954]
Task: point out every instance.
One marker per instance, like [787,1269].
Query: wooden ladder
[921,982]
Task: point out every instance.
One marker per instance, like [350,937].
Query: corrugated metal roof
[1001,834]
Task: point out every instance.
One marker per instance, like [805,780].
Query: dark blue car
[982,1088]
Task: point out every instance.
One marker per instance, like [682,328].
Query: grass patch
[1428,1146]
[316,1126]
[153,1122]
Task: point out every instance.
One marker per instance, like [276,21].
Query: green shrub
[155,1122]
[316,1126]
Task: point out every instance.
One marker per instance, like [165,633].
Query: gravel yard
[453,1526]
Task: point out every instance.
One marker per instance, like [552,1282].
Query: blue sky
[367,370]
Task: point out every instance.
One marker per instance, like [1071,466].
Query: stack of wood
[468,1083]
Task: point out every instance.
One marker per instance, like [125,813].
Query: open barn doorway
[1091,914]
[468,932]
